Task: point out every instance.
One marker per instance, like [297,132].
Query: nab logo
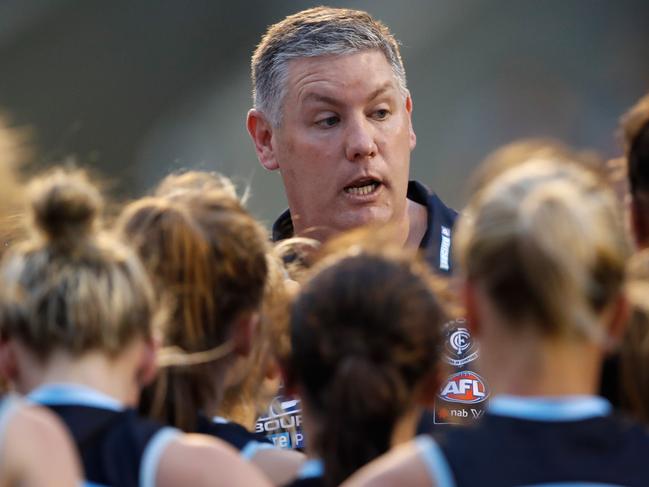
[464,387]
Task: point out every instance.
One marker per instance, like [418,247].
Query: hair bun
[65,204]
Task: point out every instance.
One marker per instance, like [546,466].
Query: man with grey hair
[332,112]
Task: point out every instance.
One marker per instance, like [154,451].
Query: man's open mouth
[363,188]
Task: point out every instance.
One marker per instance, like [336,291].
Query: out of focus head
[523,150]
[365,332]
[207,259]
[544,243]
[70,287]
[635,133]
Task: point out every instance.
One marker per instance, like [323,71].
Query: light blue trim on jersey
[220,420]
[435,461]
[73,395]
[152,453]
[547,408]
[253,447]
[312,468]
[92,484]
[9,405]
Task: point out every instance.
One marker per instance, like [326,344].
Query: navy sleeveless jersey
[541,442]
[116,446]
[246,442]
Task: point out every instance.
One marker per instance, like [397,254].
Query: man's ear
[244,331]
[261,133]
[148,368]
[8,362]
[411,130]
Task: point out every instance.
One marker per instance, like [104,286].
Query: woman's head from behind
[365,332]
[70,289]
[207,259]
[543,248]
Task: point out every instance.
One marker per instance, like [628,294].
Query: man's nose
[360,144]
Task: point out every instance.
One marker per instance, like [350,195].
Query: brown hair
[634,352]
[365,331]
[272,344]
[546,242]
[71,286]
[207,257]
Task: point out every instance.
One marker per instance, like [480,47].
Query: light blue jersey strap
[152,454]
[253,447]
[312,468]
[73,395]
[9,405]
[435,461]
[560,408]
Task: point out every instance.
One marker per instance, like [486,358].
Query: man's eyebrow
[319,98]
[330,100]
[380,90]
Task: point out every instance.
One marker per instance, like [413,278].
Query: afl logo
[464,387]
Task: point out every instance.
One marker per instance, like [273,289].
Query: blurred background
[136,88]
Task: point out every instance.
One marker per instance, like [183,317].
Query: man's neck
[417,224]
[409,230]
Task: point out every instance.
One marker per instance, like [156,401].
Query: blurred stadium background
[137,88]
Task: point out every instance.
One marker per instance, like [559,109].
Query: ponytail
[365,332]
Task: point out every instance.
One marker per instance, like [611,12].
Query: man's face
[343,146]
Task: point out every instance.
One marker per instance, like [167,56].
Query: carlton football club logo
[460,348]
[464,387]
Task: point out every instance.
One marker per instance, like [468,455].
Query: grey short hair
[319,31]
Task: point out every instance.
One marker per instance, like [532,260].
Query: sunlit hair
[365,333]
[520,151]
[70,286]
[546,243]
[320,31]
[178,184]
[634,352]
[13,152]
[207,259]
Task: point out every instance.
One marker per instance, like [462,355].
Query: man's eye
[329,121]
[381,114]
